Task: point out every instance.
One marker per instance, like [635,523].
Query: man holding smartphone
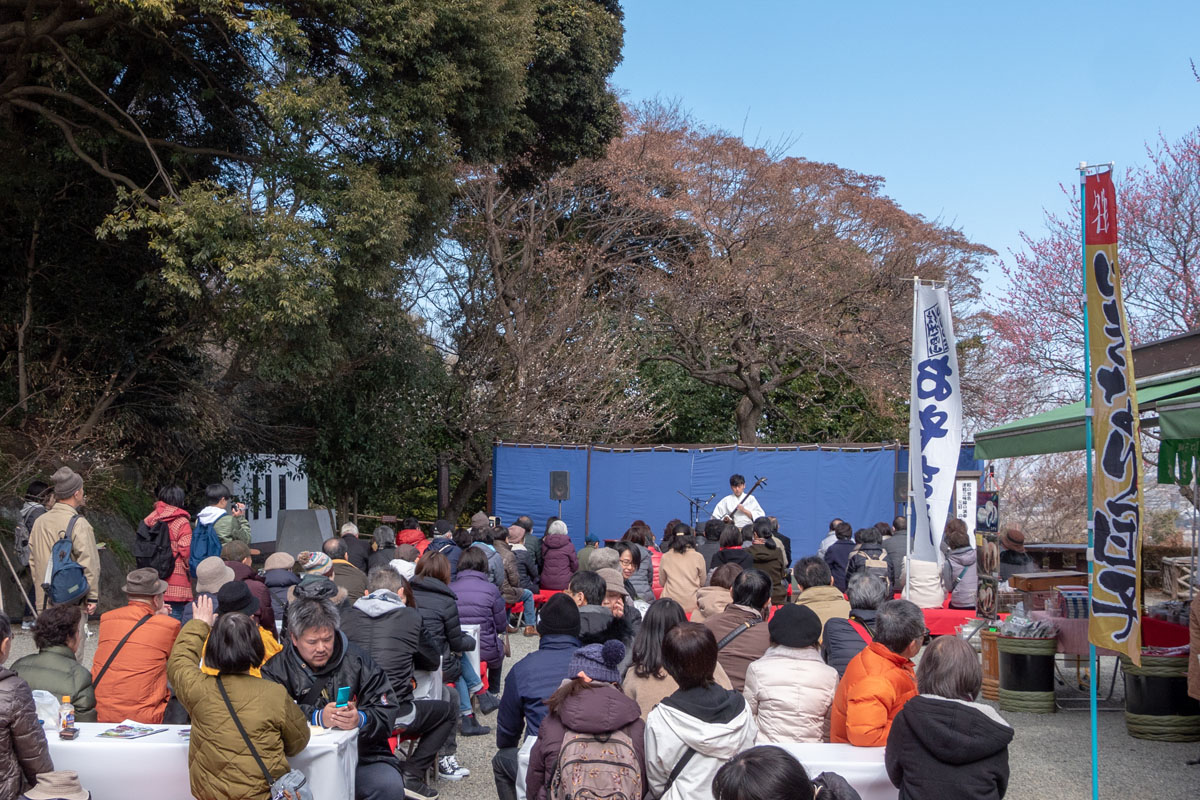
[227,517]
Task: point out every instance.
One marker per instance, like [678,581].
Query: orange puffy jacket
[135,685]
[875,687]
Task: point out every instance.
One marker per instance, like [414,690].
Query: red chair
[483,674]
[541,598]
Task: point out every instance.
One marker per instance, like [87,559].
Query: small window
[253,497]
[267,483]
[283,491]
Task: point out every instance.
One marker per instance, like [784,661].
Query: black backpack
[152,548]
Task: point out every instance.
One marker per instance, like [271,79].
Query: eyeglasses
[928,637]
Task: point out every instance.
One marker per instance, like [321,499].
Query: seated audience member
[345,574]
[317,660]
[897,550]
[411,533]
[790,689]
[716,597]
[837,555]
[559,561]
[236,556]
[590,545]
[710,544]
[959,577]
[647,682]
[870,556]
[817,590]
[784,542]
[443,542]
[1013,558]
[846,638]
[53,667]
[701,722]
[24,753]
[220,763]
[610,558]
[357,551]
[590,705]
[383,547]
[479,603]
[406,553]
[532,544]
[769,557]
[879,680]
[741,636]
[829,539]
[511,590]
[481,539]
[943,743]
[280,576]
[731,551]
[390,632]
[235,598]
[640,538]
[682,569]
[134,685]
[530,681]
[315,565]
[603,613]
[211,574]
[772,773]
[527,566]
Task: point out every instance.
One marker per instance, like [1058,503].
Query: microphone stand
[696,505]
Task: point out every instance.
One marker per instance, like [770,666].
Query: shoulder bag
[293,784]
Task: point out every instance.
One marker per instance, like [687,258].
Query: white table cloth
[862,767]
[156,768]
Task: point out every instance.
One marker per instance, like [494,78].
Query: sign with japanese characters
[1116,438]
[935,429]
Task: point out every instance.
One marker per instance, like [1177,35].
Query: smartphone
[343,697]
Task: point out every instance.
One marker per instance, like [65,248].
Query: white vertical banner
[964,506]
[935,426]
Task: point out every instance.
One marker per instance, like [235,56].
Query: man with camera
[228,518]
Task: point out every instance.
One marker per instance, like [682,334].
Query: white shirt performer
[743,509]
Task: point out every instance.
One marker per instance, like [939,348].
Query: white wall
[267,484]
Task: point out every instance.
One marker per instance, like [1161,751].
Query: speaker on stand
[560,488]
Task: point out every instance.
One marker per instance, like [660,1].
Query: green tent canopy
[1061,430]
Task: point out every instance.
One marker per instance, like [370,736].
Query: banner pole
[1088,447]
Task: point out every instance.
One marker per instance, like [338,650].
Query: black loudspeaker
[900,487]
[560,486]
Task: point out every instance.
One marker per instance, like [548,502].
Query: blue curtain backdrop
[806,488]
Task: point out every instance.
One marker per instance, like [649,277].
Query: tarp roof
[1179,417]
[1061,430]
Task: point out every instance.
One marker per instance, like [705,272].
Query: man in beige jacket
[818,592]
[52,526]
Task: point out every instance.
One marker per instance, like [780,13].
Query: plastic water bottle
[66,713]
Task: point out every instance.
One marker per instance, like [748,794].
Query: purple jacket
[479,603]
[559,562]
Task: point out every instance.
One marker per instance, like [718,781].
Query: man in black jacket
[316,661]
[845,638]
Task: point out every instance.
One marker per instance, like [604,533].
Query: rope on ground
[1027,702]
[1164,728]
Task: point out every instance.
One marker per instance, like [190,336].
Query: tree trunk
[749,414]
[23,328]
[471,482]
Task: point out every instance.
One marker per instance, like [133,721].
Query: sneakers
[27,625]
[470,726]
[449,769]
[531,630]
[486,702]
[417,789]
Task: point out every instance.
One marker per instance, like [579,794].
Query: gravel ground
[1049,756]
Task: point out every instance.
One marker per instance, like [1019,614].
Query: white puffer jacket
[670,731]
[790,691]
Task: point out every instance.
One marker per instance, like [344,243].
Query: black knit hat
[235,596]
[795,626]
[559,615]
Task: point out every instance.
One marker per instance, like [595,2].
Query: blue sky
[973,114]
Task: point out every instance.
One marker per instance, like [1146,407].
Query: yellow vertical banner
[1116,621]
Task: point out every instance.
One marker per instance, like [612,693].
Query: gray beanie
[66,482]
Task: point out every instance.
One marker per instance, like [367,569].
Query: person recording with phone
[227,517]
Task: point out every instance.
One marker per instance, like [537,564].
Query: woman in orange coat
[880,679]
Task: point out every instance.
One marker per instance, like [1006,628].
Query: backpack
[594,766]
[876,565]
[152,548]
[21,533]
[65,580]
[205,543]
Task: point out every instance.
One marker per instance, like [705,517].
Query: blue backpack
[65,579]
[205,543]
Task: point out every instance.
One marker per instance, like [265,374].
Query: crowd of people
[672,667]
